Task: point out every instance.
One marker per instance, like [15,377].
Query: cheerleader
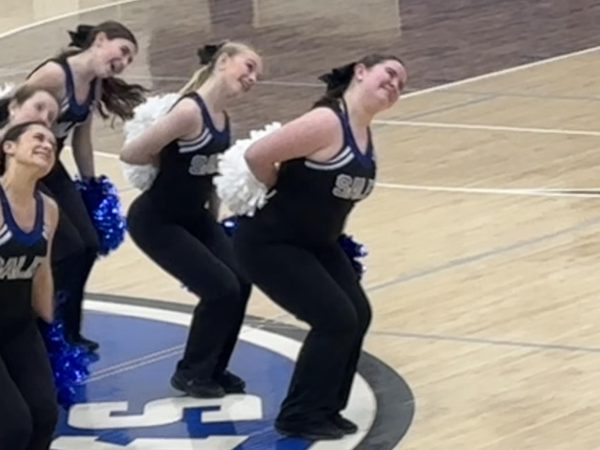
[84,78]
[28,220]
[316,168]
[28,103]
[173,225]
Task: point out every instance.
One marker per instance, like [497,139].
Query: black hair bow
[340,76]
[208,52]
[81,36]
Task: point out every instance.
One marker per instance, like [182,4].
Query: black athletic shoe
[197,388]
[347,426]
[325,431]
[231,383]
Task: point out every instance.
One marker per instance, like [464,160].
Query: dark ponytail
[339,78]
[118,97]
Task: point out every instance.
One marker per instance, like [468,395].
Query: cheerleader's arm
[83,151]
[180,122]
[43,285]
[302,137]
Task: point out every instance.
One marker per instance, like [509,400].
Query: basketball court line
[497,73]
[486,341]
[403,335]
[522,245]
[528,95]
[63,16]
[153,357]
[480,127]
[447,108]
[7,73]
[527,192]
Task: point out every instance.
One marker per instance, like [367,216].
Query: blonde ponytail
[198,79]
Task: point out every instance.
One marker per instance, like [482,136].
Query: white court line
[167,351]
[580,190]
[497,73]
[63,16]
[534,192]
[464,126]
[99,153]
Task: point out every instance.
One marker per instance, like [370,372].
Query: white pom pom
[142,176]
[236,185]
[147,113]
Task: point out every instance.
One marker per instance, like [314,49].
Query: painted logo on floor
[128,402]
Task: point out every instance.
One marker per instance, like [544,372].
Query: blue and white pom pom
[104,207]
[236,185]
[355,251]
[142,176]
[69,362]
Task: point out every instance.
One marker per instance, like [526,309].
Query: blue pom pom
[355,252]
[104,206]
[69,362]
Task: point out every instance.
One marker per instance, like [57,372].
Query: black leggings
[320,287]
[196,251]
[75,246]
[28,407]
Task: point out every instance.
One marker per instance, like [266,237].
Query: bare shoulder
[50,76]
[185,117]
[321,117]
[187,107]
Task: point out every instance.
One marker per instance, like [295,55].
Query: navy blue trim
[206,117]
[78,109]
[26,238]
[365,158]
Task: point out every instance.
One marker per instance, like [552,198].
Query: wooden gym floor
[482,235]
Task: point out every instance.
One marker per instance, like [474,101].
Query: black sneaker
[325,431]
[345,425]
[197,388]
[231,383]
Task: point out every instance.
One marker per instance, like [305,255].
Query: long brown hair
[118,97]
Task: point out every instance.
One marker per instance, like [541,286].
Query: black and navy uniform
[76,244]
[290,250]
[28,407]
[172,225]
[72,113]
